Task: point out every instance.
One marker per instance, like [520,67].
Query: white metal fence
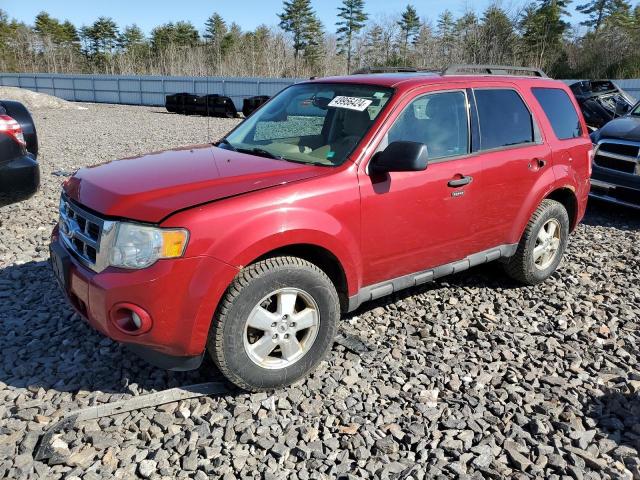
[151,90]
[141,90]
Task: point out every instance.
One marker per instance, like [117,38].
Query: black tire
[226,338]
[521,267]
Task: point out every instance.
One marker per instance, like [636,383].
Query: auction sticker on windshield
[351,103]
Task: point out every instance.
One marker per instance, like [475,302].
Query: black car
[601,101]
[616,163]
[19,170]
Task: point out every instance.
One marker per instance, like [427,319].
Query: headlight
[139,246]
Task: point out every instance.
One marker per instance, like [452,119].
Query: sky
[247,13]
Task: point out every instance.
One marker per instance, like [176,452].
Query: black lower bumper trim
[19,179]
[163,360]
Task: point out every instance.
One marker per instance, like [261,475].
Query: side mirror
[400,157]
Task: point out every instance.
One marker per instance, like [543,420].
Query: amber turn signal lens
[173,243]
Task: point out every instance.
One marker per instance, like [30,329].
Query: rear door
[514,159]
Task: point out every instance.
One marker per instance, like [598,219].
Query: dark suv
[616,164]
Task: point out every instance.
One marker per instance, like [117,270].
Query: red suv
[335,192]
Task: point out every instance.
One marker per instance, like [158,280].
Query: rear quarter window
[560,111]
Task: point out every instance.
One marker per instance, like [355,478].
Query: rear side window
[560,111]
[504,119]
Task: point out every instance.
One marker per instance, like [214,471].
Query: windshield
[316,123]
[636,110]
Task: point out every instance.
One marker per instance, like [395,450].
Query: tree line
[539,34]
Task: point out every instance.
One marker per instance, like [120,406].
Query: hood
[623,128]
[150,187]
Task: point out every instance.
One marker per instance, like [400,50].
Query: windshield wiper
[260,152]
[224,141]
[304,162]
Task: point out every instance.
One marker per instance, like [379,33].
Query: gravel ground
[470,377]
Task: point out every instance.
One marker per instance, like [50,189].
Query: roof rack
[368,70]
[493,70]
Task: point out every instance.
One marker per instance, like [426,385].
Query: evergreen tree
[103,35]
[409,25]
[598,11]
[68,33]
[299,20]
[447,34]
[620,15]
[130,37]
[467,36]
[543,28]
[215,28]
[374,51]
[185,34]
[181,34]
[314,50]
[426,46]
[162,36]
[352,19]
[46,26]
[497,37]
[232,38]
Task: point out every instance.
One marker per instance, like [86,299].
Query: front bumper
[180,296]
[616,187]
[19,179]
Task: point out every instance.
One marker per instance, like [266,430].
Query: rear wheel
[542,244]
[275,324]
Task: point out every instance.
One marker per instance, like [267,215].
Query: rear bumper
[180,297]
[616,187]
[19,179]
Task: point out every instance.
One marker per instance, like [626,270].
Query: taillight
[12,128]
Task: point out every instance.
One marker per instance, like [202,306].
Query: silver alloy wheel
[547,244]
[281,328]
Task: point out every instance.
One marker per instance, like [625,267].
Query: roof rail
[493,70]
[367,70]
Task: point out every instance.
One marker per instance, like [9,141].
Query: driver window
[438,120]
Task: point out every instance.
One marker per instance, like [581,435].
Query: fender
[545,184]
[579,182]
[297,226]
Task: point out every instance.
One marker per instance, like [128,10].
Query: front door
[413,221]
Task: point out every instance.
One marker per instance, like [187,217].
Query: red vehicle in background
[335,192]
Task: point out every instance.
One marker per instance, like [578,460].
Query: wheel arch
[567,197]
[320,256]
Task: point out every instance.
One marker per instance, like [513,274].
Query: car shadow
[490,275]
[617,419]
[44,343]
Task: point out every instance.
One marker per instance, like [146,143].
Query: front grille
[621,156]
[621,149]
[615,164]
[82,233]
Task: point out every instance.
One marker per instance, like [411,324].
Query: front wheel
[542,244]
[275,324]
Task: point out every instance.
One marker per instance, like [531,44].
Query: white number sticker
[351,103]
